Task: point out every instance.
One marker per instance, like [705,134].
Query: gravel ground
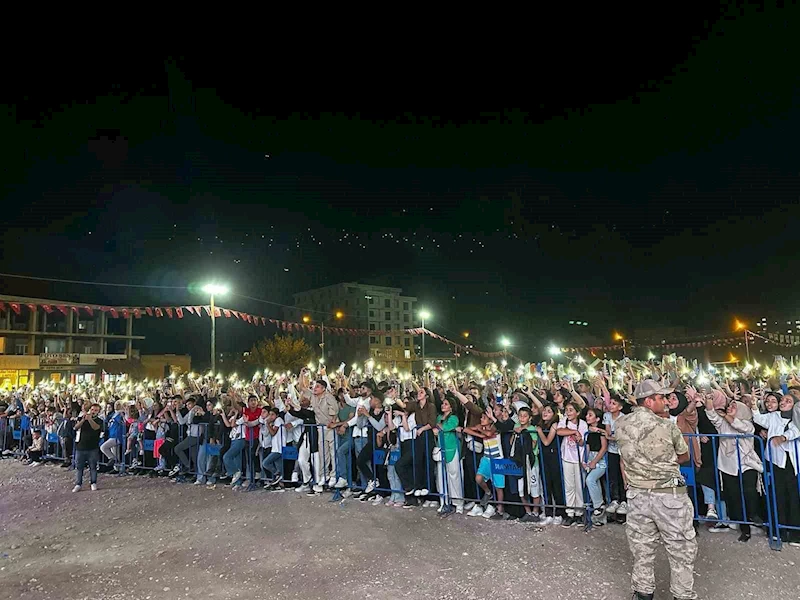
[138,538]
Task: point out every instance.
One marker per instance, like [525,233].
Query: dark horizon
[662,195]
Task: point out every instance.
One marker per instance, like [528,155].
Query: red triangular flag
[198,313]
[137,313]
[149,311]
[14,306]
[179,311]
[226,312]
[236,314]
[62,309]
[168,310]
[75,309]
[208,310]
[2,306]
[159,312]
[31,307]
[125,313]
[263,321]
[113,312]
[190,309]
[217,313]
[89,310]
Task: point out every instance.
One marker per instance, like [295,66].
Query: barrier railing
[785,493]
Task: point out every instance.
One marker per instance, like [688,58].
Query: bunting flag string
[786,341]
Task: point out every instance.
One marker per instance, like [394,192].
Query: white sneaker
[476,511]
[370,486]
[318,489]
[711,513]
[175,470]
[236,477]
[36,464]
[303,488]
[377,501]
[422,493]
[719,528]
[94,487]
[623,508]
[459,510]
[332,481]
[558,520]
[340,484]
[546,521]
[430,504]
[612,508]
[468,506]
[77,488]
[489,512]
[295,477]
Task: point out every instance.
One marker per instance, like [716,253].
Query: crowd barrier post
[776,540]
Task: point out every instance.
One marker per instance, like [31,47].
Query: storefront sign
[58,360]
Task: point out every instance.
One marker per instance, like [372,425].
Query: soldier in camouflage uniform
[651,449]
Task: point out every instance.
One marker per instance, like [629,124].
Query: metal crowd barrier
[13,431]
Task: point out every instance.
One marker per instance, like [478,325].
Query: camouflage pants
[666,516]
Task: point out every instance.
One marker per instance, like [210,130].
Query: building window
[387,303]
[407,354]
[372,326]
[371,300]
[405,318]
[397,304]
[372,312]
[397,315]
[358,313]
[351,290]
[407,342]
[20,348]
[405,305]
[388,340]
[397,340]
[387,315]
[373,339]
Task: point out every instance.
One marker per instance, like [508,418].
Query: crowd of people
[538,446]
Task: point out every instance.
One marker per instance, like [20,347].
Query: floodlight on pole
[214,289]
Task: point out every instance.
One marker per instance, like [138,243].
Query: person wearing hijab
[782,434]
[736,460]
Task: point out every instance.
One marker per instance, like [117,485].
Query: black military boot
[640,596]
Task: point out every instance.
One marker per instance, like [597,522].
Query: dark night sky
[646,178]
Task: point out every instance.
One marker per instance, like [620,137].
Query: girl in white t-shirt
[572,430]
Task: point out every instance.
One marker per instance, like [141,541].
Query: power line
[127,285]
[154,287]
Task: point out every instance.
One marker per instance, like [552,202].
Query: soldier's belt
[669,490]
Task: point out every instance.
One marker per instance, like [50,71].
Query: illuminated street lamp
[505,343]
[554,350]
[739,326]
[424,314]
[620,338]
[214,289]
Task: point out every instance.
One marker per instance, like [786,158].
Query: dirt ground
[141,539]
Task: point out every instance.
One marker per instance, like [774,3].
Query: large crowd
[536,445]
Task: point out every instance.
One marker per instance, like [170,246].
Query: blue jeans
[82,458]
[359,443]
[343,459]
[593,480]
[272,463]
[233,457]
[201,463]
[396,485]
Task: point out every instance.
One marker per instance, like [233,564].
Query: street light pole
[213,336]
[212,290]
[423,314]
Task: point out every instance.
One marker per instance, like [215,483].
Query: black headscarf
[683,404]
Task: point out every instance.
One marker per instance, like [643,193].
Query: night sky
[645,178]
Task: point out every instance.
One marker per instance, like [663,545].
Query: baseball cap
[648,387]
